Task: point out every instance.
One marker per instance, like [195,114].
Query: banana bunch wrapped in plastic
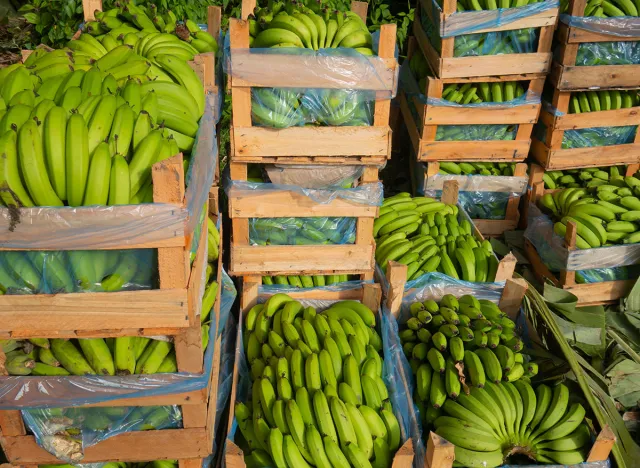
[303,281]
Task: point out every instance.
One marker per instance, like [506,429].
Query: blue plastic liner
[393,374]
[17,392]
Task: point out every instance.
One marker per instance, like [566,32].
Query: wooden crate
[254,260]
[182,463]
[550,154]
[489,227]
[337,145]
[423,132]
[440,453]
[194,441]
[565,75]
[446,65]
[369,294]
[605,292]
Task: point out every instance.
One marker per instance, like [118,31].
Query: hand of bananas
[153,464]
[606,215]
[318,397]
[304,281]
[302,231]
[496,412]
[129,18]
[425,235]
[476,168]
[595,101]
[604,8]
[589,177]
[83,125]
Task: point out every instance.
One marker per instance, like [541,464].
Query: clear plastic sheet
[366,194]
[52,272]
[608,274]
[476,132]
[88,228]
[392,373]
[556,257]
[339,68]
[598,136]
[314,177]
[480,205]
[67,432]
[622,26]
[53,392]
[517,41]
[265,290]
[468,22]
[302,231]
[608,53]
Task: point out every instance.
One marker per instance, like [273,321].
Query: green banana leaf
[624,384]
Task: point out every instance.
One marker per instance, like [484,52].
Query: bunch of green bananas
[128,18]
[425,235]
[52,272]
[607,215]
[594,101]
[302,231]
[440,335]
[83,125]
[292,24]
[482,92]
[604,8]
[304,281]
[479,5]
[589,177]
[153,464]
[476,168]
[317,396]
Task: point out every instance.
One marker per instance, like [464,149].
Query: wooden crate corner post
[396,275]
[440,452]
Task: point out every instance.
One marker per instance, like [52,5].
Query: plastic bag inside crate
[19,392]
[89,228]
[392,374]
[314,177]
[586,137]
[476,132]
[67,432]
[283,107]
[608,53]
[52,272]
[302,231]
[620,26]
[464,26]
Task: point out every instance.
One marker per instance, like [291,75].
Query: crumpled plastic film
[365,194]
[66,391]
[622,26]
[468,22]
[88,228]
[599,136]
[302,231]
[517,41]
[314,177]
[60,271]
[476,132]
[266,291]
[67,432]
[608,53]
[555,256]
[392,374]
[482,197]
[608,274]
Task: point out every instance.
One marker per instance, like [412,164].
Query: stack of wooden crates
[527,69]
[551,151]
[173,310]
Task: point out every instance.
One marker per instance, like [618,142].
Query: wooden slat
[311,141]
[570,78]
[495,227]
[603,445]
[445,115]
[11,423]
[130,446]
[584,157]
[544,18]
[89,8]
[579,36]
[440,452]
[494,150]
[95,311]
[284,203]
[300,259]
[508,64]
[618,118]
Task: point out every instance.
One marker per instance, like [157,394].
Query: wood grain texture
[571,78]
[310,141]
[584,157]
[508,64]
[440,452]
[492,150]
